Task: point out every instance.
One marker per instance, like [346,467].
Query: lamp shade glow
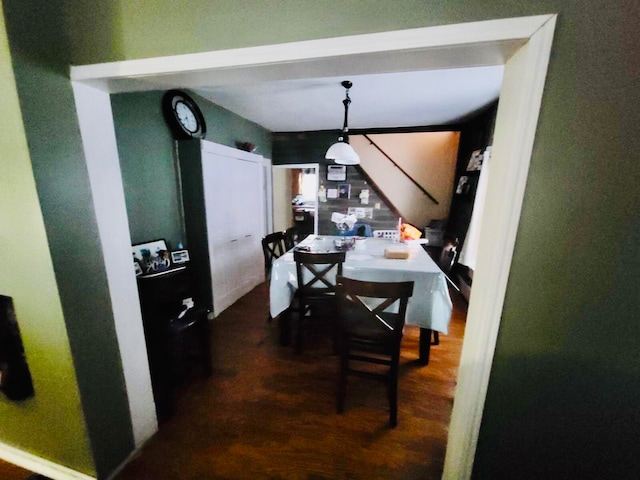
[343,154]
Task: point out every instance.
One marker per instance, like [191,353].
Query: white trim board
[476,43]
[316,167]
[36,464]
[103,165]
[523,45]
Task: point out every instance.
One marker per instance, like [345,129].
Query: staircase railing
[420,187]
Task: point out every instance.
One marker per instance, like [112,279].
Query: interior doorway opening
[295,197]
[522,44]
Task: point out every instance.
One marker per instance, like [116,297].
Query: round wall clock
[183,115]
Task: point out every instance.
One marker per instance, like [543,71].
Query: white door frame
[457,45]
[267,180]
[308,166]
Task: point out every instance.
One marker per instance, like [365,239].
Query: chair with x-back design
[316,274]
[292,237]
[370,333]
[273,246]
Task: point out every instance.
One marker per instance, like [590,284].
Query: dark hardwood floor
[9,471]
[268,413]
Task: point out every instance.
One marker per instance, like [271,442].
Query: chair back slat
[273,246]
[291,237]
[371,332]
[316,293]
[355,293]
[317,272]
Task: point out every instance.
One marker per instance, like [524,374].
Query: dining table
[429,308]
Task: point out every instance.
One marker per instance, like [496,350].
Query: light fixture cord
[345,129]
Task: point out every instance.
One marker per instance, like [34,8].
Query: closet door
[220,227]
[234,211]
[251,208]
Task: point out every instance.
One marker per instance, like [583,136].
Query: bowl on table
[344,243]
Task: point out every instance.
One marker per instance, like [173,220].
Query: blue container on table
[359,230]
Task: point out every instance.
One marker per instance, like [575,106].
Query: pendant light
[341,152]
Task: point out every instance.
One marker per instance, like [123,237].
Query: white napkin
[342,219]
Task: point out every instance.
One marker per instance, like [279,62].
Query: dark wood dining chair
[316,293]
[370,335]
[291,237]
[273,246]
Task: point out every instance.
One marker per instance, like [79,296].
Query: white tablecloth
[430,306]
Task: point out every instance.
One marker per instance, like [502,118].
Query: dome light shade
[341,152]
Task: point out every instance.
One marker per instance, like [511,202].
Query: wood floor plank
[269,413]
[9,471]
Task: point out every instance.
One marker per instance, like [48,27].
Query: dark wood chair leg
[284,323]
[393,394]
[425,345]
[300,333]
[436,338]
[342,379]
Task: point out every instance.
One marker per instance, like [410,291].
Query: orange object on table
[409,232]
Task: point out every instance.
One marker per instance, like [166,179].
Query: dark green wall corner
[148,159]
[39,53]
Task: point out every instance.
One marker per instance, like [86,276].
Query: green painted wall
[148,159]
[147,165]
[40,55]
[565,384]
[51,423]
[572,297]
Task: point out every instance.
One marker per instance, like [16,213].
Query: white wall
[428,157]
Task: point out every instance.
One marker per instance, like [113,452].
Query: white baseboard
[36,464]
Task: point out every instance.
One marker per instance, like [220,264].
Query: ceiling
[414,86]
[400,99]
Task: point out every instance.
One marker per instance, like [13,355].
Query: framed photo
[336,173]
[150,257]
[463,185]
[475,161]
[361,212]
[180,256]
[344,190]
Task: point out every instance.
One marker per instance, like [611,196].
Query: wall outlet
[377,206]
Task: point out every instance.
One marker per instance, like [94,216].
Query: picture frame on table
[475,161]
[151,257]
[463,185]
[180,256]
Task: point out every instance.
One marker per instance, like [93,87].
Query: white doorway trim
[522,44]
[267,179]
[308,166]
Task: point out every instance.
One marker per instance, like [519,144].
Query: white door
[234,208]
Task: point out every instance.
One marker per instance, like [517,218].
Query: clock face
[186,117]
[183,115]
